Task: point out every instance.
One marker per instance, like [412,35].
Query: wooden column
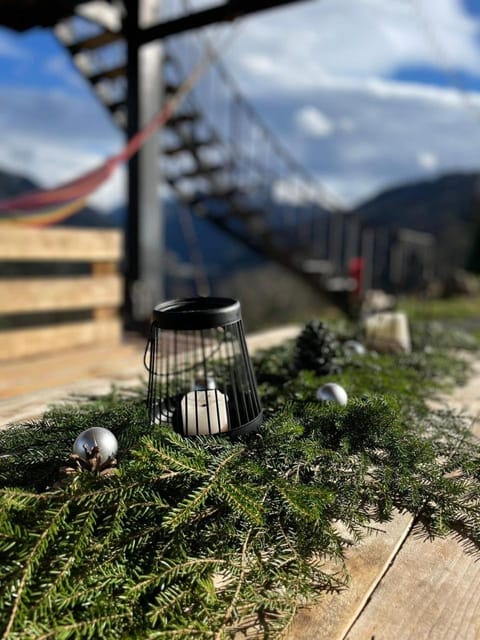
[144,238]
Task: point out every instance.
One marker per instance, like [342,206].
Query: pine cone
[316,349]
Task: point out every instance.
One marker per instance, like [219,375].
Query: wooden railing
[95,296]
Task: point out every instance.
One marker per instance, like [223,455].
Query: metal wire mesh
[201,380]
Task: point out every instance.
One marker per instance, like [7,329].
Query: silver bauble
[96,436]
[354,348]
[204,383]
[332,392]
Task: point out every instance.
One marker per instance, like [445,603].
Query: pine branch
[241,500]
[207,537]
[172,570]
[171,460]
[180,514]
[85,522]
[86,629]
[240,580]
[32,562]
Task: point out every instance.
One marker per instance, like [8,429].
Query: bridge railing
[251,160]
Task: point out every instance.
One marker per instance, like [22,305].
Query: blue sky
[367,93]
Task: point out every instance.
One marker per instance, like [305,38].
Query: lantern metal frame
[201,379]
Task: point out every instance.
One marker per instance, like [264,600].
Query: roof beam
[226,12]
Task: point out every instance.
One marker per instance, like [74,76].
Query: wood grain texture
[30,295]
[42,372]
[74,245]
[387,587]
[29,387]
[20,343]
[333,615]
[432,591]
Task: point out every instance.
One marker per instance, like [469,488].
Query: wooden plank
[20,343]
[369,608]
[271,337]
[73,365]
[366,561]
[74,245]
[29,295]
[432,591]
[99,271]
[95,374]
[32,405]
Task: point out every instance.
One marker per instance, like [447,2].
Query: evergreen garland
[205,537]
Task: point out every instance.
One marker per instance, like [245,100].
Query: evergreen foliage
[206,537]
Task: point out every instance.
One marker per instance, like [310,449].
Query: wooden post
[352,239]
[368,245]
[130,28]
[144,238]
[151,288]
[336,240]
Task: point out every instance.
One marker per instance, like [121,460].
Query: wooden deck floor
[402,586]
[30,385]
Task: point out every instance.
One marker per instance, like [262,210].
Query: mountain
[427,205]
[12,185]
[447,207]
[221,254]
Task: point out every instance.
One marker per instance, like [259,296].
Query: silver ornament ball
[204,383]
[332,392]
[354,348]
[96,436]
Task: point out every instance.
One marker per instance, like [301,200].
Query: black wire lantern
[201,380]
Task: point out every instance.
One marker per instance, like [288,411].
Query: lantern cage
[201,379]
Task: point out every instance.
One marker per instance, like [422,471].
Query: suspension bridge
[218,157]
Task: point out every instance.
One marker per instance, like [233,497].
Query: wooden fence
[95,296]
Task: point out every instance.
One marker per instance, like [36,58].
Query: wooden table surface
[30,385]
[402,587]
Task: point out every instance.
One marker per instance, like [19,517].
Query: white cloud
[400,136]
[427,160]
[313,122]
[58,140]
[346,124]
[259,64]
[59,66]
[297,191]
[296,47]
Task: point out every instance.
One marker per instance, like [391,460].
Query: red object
[355,271]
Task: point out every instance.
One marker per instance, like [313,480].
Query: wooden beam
[225,12]
[33,295]
[19,244]
[108,74]
[95,42]
[20,343]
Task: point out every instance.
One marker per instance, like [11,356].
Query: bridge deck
[402,586]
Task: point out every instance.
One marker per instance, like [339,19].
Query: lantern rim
[197,313]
